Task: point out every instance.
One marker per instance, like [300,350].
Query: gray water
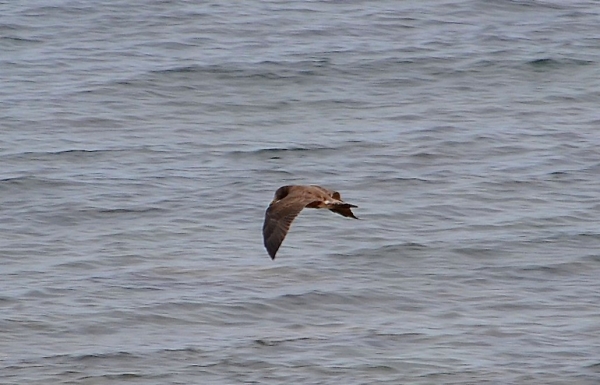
[141,142]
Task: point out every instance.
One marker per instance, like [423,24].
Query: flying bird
[287,204]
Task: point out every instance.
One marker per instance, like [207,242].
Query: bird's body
[287,204]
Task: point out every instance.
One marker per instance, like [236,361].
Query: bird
[287,204]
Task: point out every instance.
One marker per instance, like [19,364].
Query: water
[142,141]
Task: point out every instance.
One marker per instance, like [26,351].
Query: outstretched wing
[278,219]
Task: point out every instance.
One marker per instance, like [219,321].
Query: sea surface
[141,141]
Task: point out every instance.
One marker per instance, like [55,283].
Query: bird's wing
[279,217]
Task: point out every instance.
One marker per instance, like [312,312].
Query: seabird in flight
[287,204]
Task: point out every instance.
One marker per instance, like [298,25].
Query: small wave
[187,349]
[123,211]
[478,252]
[77,265]
[549,63]
[268,70]
[393,248]
[32,182]
[589,235]
[112,212]
[177,70]
[119,355]
[229,72]
[103,356]
[291,149]
[558,269]
[541,271]
[595,367]
[399,337]
[120,376]
[319,298]
[274,151]
[276,342]
[595,259]
[19,40]
[70,154]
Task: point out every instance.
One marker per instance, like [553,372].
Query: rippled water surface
[142,141]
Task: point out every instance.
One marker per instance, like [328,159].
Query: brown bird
[287,204]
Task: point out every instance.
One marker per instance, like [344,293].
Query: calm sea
[141,141]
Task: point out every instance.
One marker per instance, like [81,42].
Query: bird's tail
[342,208]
